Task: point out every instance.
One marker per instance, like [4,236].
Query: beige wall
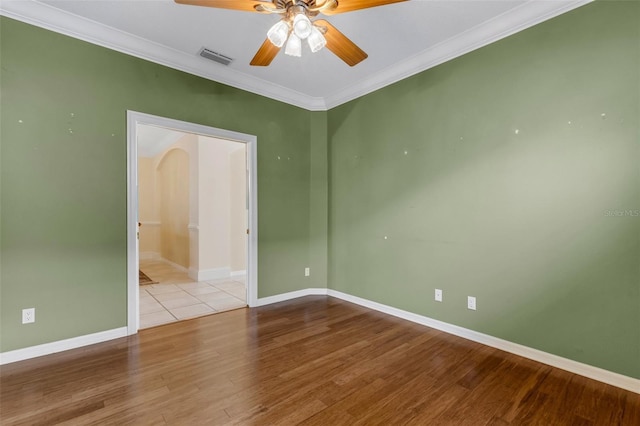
[173,193]
[213,203]
[221,210]
[148,212]
[150,191]
[189,144]
[211,200]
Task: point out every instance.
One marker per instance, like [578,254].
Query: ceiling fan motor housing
[294,7]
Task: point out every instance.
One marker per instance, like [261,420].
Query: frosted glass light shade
[294,46]
[302,26]
[316,40]
[278,33]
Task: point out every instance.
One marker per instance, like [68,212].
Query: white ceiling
[401,39]
[152,140]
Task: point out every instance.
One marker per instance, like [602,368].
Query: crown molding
[515,20]
[524,16]
[48,17]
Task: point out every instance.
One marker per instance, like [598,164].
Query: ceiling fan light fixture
[316,40]
[296,26]
[278,33]
[302,26]
[294,46]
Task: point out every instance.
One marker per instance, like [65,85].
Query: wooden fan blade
[341,46]
[351,5]
[246,5]
[265,54]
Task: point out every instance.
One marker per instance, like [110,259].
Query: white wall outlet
[28,315]
[438,295]
[471,303]
[307,272]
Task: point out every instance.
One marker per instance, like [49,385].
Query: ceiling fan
[296,25]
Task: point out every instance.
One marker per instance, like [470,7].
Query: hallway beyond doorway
[177,297]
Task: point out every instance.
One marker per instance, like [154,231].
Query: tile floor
[176,296]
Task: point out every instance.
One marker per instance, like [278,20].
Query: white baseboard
[595,373]
[209,274]
[291,295]
[175,265]
[238,273]
[61,345]
[599,374]
[153,255]
[195,274]
[149,255]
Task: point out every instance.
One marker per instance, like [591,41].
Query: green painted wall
[514,154]
[319,197]
[63,177]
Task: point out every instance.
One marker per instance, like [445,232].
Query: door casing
[133,120]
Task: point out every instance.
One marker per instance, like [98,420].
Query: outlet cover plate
[28,315]
[438,295]
[307,272]
[471,303]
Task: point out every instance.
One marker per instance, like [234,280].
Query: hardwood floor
[310,361]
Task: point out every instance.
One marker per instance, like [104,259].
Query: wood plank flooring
[310,361]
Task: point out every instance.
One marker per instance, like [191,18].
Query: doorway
[186,217]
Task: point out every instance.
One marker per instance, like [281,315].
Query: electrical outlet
[307,272]
[471,303]
[28,315]
[438,295]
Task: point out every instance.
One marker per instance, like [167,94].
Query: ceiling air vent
[215,56]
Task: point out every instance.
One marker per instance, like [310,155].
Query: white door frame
[133,119]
